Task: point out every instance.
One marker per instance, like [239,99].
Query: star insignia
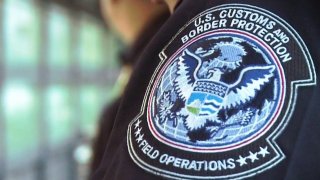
[253,156]
[137,124]
[241,160]
[138,132]
[140,138]
[263,151]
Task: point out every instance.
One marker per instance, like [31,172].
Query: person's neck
[172,4]
[137,21]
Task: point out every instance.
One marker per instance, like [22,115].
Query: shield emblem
[206,98]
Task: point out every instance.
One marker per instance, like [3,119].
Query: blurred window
[91,46]
[20,104]
[59,69]
[91,99]
[21,33]
[59,113]
[59,37]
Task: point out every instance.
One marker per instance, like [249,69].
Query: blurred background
[57,71]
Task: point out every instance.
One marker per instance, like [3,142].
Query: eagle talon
[244,122]
[213,130]
[247,118]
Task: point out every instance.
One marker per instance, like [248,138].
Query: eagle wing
[187,67]
[251,81]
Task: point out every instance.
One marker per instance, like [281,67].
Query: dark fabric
[300,139]
[104,128]
[305,162]
[128,57]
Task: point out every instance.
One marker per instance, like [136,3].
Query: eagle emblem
[206,101]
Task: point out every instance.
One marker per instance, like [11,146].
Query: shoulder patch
[225,89]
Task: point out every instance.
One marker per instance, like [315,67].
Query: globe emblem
[217,93]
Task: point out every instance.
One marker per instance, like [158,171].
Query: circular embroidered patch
[221,91]
[224,90]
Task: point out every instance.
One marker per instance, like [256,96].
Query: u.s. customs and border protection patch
[225,89]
